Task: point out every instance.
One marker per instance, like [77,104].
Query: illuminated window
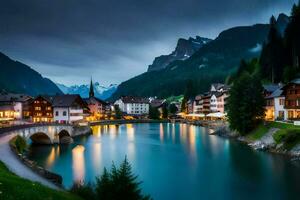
[37,108]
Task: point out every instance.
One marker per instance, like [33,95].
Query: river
[175,161]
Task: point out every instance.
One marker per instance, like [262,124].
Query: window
[56,113]
[65,113]
[281,102]
[281,114]
[290,114]
[37,108]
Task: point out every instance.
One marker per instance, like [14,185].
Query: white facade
[67,114]
[213,103]
[133,108]
[18,108]
[279,111]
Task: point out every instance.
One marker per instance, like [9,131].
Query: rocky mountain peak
[184,49]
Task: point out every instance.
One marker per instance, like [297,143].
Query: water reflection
[96,156]
[196,163]
[78,163]
[54,153]
[192,140]
[161,132]
[130,132]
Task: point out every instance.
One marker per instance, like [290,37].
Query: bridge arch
[64,137]
[40,138]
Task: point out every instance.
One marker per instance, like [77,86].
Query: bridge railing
[18,127]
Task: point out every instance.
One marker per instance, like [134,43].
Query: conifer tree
[245,104]
[272,59]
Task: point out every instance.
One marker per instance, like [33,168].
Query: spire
[91,94]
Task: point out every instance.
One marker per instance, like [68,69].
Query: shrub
[291,139]
[20,144]
[279,136]
[84,191]
[118,183]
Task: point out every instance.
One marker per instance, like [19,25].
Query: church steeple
[91,94]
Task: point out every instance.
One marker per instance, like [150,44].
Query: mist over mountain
[213,62]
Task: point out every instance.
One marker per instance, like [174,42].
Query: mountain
[282,22]
[184,49]
[213,62]
[83,90]
[17,77]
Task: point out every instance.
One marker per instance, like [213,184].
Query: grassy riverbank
[286,135]
[13,187]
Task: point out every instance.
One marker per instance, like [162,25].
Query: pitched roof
[131,99]
[8,97]
[296,81]
[7,107]
[217,94]
[271,87]
[66,100]
[92,99]
[276,93]
[217,85]
[157,102]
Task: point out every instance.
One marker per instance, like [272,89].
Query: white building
[198,105]
[213,103]
[133,105]
[275,106]
[68,108]
[18,103]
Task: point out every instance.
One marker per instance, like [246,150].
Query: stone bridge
[52,134]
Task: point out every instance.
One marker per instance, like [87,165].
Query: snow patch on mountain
[101,92]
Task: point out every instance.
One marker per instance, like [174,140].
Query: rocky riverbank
[50,176]
[265,143]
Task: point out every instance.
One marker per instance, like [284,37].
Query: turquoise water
[175,161]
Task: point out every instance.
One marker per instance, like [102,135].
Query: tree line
[278,62]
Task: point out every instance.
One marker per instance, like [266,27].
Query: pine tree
[104,186]
[153,113]
[292,38]
[173,109]
[246,103]
[119,183]
[272,59]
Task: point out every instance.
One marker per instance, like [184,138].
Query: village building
[291,91]
[206,103]
[158,104]
[99,109]
[14,106]
[69,108]
[190,105]
[270,92]
[133,105]
[41,109]
[198,104]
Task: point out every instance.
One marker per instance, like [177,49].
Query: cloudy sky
[113,40]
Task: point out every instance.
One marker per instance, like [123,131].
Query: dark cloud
[114,40]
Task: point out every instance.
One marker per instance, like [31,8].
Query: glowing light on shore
[78,163]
